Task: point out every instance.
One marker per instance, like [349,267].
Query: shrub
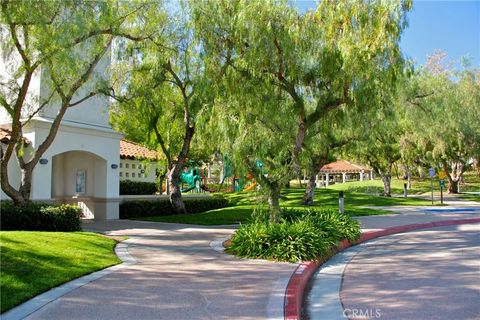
[163,207]
[128,187]
[338,226]
[40,217]
[302,235]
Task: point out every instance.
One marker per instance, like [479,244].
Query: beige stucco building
[82,164]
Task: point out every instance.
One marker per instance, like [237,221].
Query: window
[133,165]
[121,165]
[81,184]
[121,174]
[127,165]
[133,174]
[127,174]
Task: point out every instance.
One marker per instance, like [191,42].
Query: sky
[453,26]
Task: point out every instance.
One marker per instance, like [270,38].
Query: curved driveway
[177,276]
[427,274]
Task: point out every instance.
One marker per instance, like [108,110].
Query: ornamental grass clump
[302,235]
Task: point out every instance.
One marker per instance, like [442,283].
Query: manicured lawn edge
[35,262]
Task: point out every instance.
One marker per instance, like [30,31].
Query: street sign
[442,174]
[442,183]
[431,172]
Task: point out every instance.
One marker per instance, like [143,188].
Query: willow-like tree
[63,42]
[327,58]
[444,116]
[165,88]
[325,142]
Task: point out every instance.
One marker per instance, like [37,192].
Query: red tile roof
[5,135]
[132,150]
[342,166]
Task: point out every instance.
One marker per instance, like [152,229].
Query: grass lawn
[33,262]
[358,195]
[471,197]
[246,202]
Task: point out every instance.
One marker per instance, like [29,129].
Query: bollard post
[404,190]
[341,207]
[441,194]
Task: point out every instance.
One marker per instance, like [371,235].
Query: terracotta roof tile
[342,166]
[129,149]
[5,135]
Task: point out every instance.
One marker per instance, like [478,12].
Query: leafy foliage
[443,117]
[129,187]
[40,217]
[282,71]
[148,208]
[302,235]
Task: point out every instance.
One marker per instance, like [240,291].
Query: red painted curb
[302,275]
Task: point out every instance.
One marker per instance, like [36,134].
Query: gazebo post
[327,179]
[343,177]
[361,175]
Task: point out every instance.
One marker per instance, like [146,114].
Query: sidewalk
[177,276]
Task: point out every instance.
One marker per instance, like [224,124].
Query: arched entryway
[79,177]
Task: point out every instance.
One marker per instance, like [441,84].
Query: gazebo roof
[132,150]
[343,166]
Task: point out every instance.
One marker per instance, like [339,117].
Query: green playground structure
[228,171]
[192,179]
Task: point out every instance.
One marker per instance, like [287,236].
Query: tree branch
[88,96]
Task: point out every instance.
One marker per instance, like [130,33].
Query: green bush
[338,226]
[40,217]
[163,207]
[302,235]
[128,187]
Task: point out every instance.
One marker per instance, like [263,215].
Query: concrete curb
[301,277]
[25,309]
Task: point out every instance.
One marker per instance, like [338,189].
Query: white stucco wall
[105,144]
[93,111]
[131,169]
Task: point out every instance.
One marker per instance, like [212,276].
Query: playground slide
[251,187]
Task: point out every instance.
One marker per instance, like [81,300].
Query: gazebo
[345,169]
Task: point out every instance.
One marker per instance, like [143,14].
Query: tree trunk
[476,164]
[386,179]
[316,162]
[274,202]
[452,186]
[174,174]
[310,189]
[176,195]
[386,176]
[454,176]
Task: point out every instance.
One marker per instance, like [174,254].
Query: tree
[445,117]
[332,134]
[165,87]
[66,40]
[379,133]
[322,60]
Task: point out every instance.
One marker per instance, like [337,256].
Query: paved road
[177,276]
[427,274]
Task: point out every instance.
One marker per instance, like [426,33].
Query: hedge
[163,207]
[128,187]
[40,217]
